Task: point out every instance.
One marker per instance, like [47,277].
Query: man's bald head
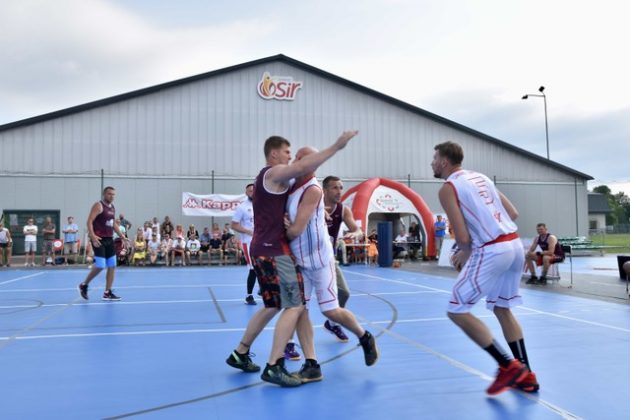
[305,151]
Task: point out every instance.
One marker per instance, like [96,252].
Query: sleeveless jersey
[244,216]
[544,245]
[103,224]
[270,239]
[312,249]
[479,200]
[334,224]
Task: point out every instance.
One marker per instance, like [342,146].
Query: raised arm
[281,174]
[311,198]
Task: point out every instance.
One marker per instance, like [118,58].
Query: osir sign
[282,88]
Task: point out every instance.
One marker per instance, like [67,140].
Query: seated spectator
[155,231]
[167,227]
[154,249]
[216,229]
[178,250]
[232,247]
[165,248]
[178,233]
[139,249]
[155,224]
[204,239]
[400,247]
[373,236]
[192,231]
[550,253]
[121,227]
[148,231]
[193,249]
[216,247]
[227,233]
[414,236]
[359,251]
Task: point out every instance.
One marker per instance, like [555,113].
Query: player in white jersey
[490,260]
[311,246]
[243,223]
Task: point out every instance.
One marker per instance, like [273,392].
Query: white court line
[163,286]
[603,284]
[158,302]
[584,321]
[23,277]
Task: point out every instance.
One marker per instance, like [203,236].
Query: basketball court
[160,352]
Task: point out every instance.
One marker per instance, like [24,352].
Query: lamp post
[542,95]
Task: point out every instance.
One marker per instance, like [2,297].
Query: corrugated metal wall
[155,146]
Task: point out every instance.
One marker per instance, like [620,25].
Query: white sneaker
[26,264]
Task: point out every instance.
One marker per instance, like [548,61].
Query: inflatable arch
[383,199]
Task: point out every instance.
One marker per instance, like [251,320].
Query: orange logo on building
[283,88]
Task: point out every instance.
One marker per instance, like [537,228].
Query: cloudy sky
[467,60]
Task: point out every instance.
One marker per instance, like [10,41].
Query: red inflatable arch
[382,195]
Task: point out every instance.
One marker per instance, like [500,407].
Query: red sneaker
[514,373]
[528,384]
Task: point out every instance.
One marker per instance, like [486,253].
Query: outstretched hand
[345,137]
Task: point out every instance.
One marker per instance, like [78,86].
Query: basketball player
[278,276]
[101,229]
[310,244]
[490,260]
[243,223]
[333,187]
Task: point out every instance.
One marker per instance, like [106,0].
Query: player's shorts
[105,255]
[248,258]
[281,283]
[324,282]
[555,259]
[493,271]
[30,246]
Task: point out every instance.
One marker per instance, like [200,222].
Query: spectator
[204,239]
[147,231]
[30,242]
[232,247]
[124,222]
[6,246]
[167,227]
[192,231]
[550,253]
[70,233]
[178,250]
[227,233]
[48,252]
[373,236]
[372,252]
[440,233]
[121,228]
[156,224]
[165,247]
[155,231]
[216,247]
[179,232]
[216,229]
[193,249]
[154,248]
[139,248]
[400,247]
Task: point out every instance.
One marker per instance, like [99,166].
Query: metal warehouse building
[205,133]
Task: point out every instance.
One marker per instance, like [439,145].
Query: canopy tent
[381,199]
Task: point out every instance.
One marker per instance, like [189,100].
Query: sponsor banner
[282,88]
[211,205]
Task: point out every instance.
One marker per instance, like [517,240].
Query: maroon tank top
[103,224]
[335,223]
[269,238]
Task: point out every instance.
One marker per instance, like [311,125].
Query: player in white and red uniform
[490,260]
[243,223]
[311,246]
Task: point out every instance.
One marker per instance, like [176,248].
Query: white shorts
[493,272]
[324,282]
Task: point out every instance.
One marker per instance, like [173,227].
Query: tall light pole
[542,95]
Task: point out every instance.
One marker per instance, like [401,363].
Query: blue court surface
[160,352]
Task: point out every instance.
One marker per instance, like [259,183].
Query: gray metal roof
[598,203]
[305,67]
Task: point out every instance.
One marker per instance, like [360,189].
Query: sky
[470,61]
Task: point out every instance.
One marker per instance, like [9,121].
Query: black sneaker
[310,372]
[278,375]
[249,300]
[242,362]
[542,281]
[109,295]
[370,351]
[532,280]
[83,291]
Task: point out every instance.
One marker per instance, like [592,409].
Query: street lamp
[542,95]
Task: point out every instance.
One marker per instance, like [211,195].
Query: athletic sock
[519,352]
[251,281]
[497,352]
